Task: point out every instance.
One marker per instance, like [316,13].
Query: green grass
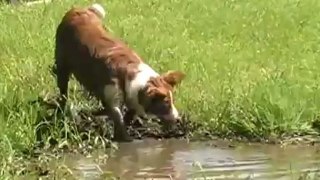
[252,66]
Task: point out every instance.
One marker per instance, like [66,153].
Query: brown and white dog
[110,71]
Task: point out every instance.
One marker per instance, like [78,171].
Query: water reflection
[178,159]
[149,158]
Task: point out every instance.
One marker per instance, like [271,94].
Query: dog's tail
[99,9]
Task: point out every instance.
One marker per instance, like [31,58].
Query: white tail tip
[99,8]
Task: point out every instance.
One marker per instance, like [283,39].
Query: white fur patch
[117,109]
[145,72]
[99,8]
[174,110]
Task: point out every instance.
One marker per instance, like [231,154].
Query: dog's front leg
[120,131]
[112,104]
[129,116]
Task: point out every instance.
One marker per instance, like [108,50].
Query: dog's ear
[173,77]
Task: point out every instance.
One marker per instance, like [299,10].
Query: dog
[111,71]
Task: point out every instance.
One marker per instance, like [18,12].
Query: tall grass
[252,66]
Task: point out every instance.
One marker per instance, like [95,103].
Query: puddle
[178,159]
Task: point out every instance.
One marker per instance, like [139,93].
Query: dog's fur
[110,70]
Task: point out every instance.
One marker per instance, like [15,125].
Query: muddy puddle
[178,159]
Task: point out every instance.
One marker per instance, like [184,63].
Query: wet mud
[79,134]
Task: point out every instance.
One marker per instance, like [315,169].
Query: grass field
[252,66]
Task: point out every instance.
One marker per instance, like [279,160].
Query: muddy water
[178,159]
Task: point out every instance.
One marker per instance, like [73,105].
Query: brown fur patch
[95,57]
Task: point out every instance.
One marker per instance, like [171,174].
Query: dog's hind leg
[62,72]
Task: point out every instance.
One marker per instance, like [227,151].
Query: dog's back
[85,48]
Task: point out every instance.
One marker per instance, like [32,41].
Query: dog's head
[157,96]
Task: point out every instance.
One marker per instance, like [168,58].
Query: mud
[79,145]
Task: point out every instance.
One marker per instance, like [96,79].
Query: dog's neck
[139,82]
